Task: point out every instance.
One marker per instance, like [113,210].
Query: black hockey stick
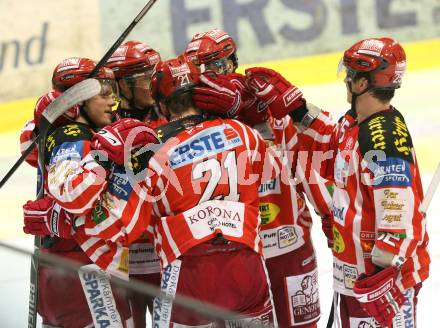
[18,163]
[95,70]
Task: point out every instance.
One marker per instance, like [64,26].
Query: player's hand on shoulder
[219,94]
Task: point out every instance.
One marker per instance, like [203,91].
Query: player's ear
[363,83]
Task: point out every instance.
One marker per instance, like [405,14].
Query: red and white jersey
[73,183]
[285,218]
[74,179]
[376,198]
[202,182]
[26,139]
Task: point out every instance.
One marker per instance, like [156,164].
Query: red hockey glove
[255,114]
[273,89]
[44,217]
[127,133]
[218,95]
[379,295]
[254,110]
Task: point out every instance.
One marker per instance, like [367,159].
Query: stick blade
[74,95]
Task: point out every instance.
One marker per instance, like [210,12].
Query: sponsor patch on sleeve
[67,151]
[394,208]
[393,172]
[120,185]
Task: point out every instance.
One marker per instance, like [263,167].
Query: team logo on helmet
[371,47]
[69,63]
[194,45]
[217,35]
[119,54]
[181,73]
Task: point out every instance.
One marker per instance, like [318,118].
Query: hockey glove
[218,95]
[254,110]
[125,134]
[45,217]
[379,295]
[272,88]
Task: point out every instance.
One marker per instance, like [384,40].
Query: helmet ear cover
[353,75]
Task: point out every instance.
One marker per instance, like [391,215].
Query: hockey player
[133,63]
[203,187]
[286,221]
[65,147]
[380,239]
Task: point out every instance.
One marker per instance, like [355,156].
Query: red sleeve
[74,179]
[26,138]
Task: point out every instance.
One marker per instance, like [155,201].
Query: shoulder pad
[172,129]
[74,132]
[386,131]
[351,113]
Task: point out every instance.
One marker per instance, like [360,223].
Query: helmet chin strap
[355,95]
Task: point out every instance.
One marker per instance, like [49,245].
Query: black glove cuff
[298,114]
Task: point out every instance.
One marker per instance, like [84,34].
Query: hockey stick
[18,163]
[102,62]
[431,191]
[79,92]
[124,34]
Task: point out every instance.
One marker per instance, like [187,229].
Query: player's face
[99,109]
[349,95]
[221,66]
[141,90]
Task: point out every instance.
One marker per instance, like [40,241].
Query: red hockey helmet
[382,58]
[131,58]
[73,70]
[44,101]
[211,46]
[173,77]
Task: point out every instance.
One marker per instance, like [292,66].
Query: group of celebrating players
[198,181]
